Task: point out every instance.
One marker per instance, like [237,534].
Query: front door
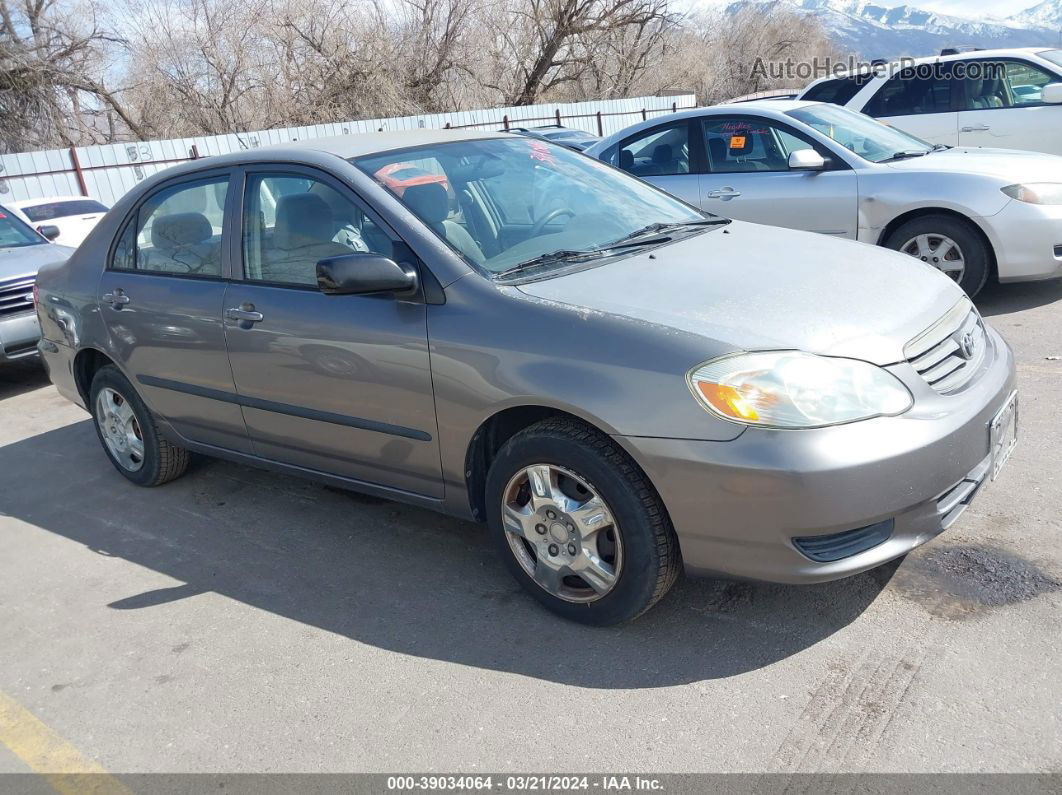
[1003,108]
[332,383]
[749,178]
[161,298]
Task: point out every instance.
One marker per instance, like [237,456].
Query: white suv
[1008,99]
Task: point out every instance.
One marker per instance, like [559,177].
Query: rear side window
[661,151]
[176,231]
[39,213]
[838,91]
[912,93]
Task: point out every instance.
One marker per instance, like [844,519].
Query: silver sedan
[972,213]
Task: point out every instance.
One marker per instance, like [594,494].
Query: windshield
[870,139]
[1054,56]
[51,210]
[508,202]
[14,233]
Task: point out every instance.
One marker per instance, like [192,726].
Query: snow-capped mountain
[876,31]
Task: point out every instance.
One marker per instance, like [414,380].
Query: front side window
[658,152]
[913,92]
[291,222]
[745,144]
[514,202]
[1004,84]
[15,234]
[871,140]
[176,231]
[48,211]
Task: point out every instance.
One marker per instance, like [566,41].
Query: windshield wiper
[904,155]
[564,255]
[653,229]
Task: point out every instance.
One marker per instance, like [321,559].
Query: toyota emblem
[966,345]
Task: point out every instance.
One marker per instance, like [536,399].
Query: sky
[971,9]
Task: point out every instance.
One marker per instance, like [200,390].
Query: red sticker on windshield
[540,152]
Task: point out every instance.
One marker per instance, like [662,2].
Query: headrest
[717,150]
[180,229]
[626,159]
[303,219]
[429,201]
[662,153]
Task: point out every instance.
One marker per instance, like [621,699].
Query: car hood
[1009,165]
[753,287]
[27,260]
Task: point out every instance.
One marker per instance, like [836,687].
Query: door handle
[975,128]
[723,193]
[117,299]
[244,315]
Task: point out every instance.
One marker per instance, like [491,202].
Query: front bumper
[738,505]
[18,336]
[1027,239]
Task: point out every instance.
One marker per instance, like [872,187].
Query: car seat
[432,204]
[182,243]
[301,237]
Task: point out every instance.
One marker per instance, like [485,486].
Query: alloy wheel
[562,533]
[939,251]
[120,429]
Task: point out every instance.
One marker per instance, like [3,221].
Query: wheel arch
[922,212]
[494,432]
[87,362]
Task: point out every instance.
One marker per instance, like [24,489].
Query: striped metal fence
[107,171]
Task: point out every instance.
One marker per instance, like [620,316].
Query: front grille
[16,296]
[835,546]
[949,353]
[956,499]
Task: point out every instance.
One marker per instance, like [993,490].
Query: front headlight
[791,389]
[1036,192]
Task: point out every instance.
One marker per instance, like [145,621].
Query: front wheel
[128,432]
[579,525]
[950,245]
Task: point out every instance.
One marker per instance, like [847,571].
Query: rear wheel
[949,244]
[128,432]
[579,525]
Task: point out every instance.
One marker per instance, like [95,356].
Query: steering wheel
[540,224]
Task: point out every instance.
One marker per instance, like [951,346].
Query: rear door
[161,299]
[922,102]
[749,177]
[333,383]
[1002,107]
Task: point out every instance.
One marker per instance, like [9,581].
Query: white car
[972,213]
[74,216]
[1009,99]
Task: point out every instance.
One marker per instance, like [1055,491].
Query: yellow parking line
[65,768]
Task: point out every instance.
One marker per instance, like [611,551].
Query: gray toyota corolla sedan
[496,327]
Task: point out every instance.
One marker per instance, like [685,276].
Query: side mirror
[51,231]
[806,160]
[363,273]
[1051,94]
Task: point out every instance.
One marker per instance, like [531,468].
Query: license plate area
[1003,433]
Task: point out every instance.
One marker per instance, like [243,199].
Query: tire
[159,461]
[638,545]
[974,250]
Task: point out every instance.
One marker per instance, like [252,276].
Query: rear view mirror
[51,231]
[806,160]
[1051,94]
[362,273]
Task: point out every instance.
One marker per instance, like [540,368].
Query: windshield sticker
[540,152]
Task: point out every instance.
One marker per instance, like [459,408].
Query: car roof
[359,144]
[959,56]
[48,200]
